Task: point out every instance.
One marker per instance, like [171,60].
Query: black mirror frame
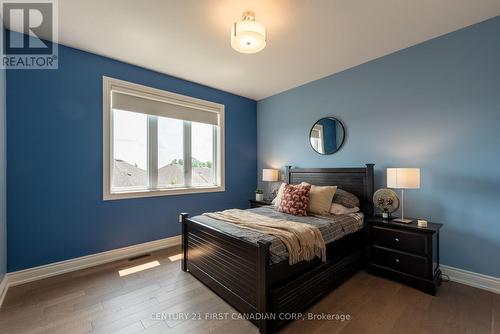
[343,138]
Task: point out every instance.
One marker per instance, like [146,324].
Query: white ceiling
[307,40]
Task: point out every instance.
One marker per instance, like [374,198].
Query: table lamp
[403,178]
[270,175]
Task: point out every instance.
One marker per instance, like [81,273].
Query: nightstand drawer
[406,263]
[400,240]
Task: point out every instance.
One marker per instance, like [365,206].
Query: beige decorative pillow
[320,199]
[279,195]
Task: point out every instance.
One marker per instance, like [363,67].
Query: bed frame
[240,272]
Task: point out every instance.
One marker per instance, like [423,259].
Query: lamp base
[403,221]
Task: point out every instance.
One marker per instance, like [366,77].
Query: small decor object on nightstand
[259,195]
[422,223]
[386,201]
[403,178]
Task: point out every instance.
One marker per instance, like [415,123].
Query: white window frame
[168,97]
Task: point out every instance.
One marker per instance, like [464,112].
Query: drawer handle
[397,260]
[396,239]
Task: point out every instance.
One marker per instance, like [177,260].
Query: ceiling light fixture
[248,35]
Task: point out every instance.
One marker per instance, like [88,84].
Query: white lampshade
[403,178]
[248,35]
[270,175]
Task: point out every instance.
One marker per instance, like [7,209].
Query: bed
[253,279]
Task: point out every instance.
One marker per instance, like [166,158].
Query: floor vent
[139,257]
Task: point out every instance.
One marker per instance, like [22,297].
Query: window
[159,143]
[170,152]
[316,138]
[202,147]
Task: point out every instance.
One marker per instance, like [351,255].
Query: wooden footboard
[234,269]
[239,272]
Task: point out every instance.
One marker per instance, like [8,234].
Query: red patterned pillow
[295,200]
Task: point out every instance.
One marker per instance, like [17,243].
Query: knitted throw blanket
[303,241]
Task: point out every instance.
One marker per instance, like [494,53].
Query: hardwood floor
[98,300]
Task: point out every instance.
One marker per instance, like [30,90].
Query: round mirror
[327,135]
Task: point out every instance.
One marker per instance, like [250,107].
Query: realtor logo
[31,29]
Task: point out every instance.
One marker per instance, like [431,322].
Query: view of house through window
[202,151]
[170,152]
[130,150]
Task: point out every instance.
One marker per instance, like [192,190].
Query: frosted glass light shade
[248,35]
[270,175]
[403,178]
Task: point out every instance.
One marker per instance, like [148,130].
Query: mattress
[332,228]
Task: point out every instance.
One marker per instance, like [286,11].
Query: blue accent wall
[54,120]
[435,106]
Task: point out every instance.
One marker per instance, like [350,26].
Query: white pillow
[277,200]
[339,209]
[320,198]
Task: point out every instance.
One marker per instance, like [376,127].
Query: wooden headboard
[358,181]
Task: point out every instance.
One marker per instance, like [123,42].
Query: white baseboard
[3,288]
[476,280]
[470,278]
[58,268]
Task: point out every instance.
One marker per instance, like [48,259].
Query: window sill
[154,193]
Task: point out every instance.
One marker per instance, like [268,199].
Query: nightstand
[405,252]
[258,204]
